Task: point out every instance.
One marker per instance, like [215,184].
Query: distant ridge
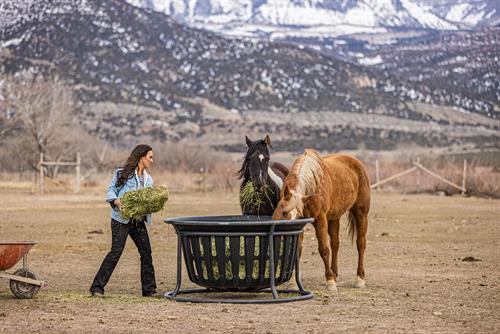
[138,73]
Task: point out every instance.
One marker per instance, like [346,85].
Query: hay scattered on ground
[112,298]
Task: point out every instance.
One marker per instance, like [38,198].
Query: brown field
[416,279]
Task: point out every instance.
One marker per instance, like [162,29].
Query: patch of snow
[14,41]
[425,17]
[104,42]
[186,67]
[388,87]
[325,31]
[457,12]
[356,54]
[142,65]
[474,19]
[264,77]
[371,61]
[459,70]
[361,17]
[461,110]
[284,13]
[101,24]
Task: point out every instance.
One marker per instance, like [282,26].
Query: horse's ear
[267,140]
[248,141]
[287,193]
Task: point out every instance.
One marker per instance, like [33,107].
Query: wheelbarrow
[24,283]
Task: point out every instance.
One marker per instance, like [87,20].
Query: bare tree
[43,107]
[8,119]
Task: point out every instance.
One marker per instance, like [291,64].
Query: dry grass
[15,185]
[483,174]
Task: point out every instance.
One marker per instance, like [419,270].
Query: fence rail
[418,166]
[42,163]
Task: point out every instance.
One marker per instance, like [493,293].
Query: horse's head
[256,162]
[291,204]
[300,184]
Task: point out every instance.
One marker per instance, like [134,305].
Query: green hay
[253,199]
[53,296]
[138,203]
[241,264]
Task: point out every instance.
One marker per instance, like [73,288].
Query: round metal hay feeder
[238,254]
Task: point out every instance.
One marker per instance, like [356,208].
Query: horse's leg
[321,225]
[333,231]
[361,216]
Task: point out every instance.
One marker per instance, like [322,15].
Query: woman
[132,176]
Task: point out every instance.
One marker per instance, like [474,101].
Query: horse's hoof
[331,286]
[360,283]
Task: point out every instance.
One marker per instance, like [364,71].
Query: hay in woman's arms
[138,203]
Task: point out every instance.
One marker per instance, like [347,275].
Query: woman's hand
[118,203]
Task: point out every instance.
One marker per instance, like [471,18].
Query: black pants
[139,234]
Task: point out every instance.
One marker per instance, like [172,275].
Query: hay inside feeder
[242,264]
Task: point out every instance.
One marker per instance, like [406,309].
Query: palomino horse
[325,188]
[266,177]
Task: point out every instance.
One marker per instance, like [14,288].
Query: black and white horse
[266,177]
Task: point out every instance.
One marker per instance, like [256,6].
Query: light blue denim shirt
[131,184]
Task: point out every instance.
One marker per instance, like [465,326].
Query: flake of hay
[138,203]
[253,199]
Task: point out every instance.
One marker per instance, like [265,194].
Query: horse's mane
[251,150]
[308,172]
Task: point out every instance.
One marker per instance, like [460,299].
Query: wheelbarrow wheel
[24,290]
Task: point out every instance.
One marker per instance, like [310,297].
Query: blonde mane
[307,168]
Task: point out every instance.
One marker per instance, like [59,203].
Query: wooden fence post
[77,172]
[419,174]
[41,172]
[33,185]
[464,177]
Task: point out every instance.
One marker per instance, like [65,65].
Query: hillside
[139,74]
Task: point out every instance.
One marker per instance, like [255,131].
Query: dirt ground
[417,281]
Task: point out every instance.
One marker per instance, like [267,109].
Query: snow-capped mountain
[138,73]
[279,18]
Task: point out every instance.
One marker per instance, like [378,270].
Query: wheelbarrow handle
[23,279]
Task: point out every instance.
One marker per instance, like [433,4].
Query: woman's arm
[148,181]
[112,193]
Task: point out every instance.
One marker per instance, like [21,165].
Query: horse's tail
[352,225]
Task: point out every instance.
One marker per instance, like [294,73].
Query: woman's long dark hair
[131,164]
